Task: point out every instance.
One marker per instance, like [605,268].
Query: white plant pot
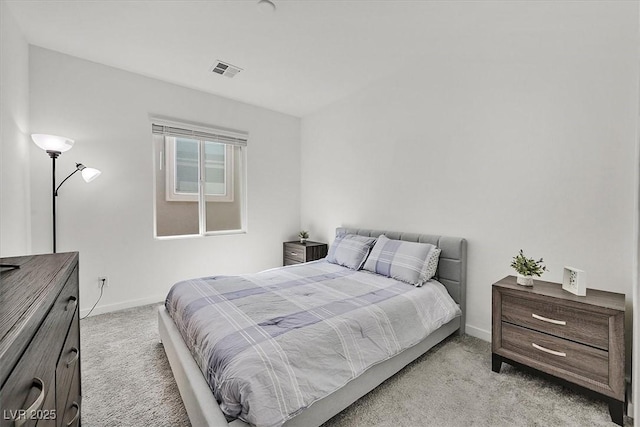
[303,240]
[524,280]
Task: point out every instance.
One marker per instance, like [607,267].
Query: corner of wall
[15,211]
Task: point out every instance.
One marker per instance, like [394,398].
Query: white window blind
[197,132]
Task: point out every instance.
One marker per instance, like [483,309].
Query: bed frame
[201,406]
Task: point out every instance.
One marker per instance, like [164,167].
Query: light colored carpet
[126,381]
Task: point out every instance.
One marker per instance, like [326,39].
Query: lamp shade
[266,6]
[59,144]
[89,174]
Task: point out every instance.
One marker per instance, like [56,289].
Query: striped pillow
[350,250]
[410,262]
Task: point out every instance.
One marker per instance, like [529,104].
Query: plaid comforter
[272,343]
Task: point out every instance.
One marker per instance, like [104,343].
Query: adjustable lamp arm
[79,167]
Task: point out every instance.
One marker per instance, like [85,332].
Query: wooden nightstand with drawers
[579,340]
[297,253]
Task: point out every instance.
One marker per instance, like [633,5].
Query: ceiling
[304,56]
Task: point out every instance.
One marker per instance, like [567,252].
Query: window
[183,163]
[199,182]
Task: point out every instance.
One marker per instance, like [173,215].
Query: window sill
[208,234]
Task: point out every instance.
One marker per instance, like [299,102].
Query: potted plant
[527,268]
[303,235]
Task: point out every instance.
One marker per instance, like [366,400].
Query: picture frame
[574,281]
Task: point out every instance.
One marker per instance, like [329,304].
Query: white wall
[520,140]
[635,380]
[110,220]
[15,215]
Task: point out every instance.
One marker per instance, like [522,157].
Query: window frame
[163,127]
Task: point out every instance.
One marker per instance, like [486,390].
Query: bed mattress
[271,344]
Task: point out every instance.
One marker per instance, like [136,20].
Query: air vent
[225,69]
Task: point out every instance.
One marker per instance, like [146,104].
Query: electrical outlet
[103,278]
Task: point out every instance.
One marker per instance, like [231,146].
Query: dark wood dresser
[296,252]
[577,339]
[40,341]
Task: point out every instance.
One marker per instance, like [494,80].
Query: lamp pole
[54,155]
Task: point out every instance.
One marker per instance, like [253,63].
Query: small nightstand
[579,340]
[296,252]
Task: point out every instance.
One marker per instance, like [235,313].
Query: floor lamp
[54,146]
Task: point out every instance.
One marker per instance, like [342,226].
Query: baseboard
[477,332]
[108,308]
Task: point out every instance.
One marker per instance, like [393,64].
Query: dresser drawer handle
[546,319]
[293,253]
[75,418]
[73,360]
[546,350]
[33,409]
[73,301]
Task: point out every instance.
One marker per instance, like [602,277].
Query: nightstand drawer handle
[293,253]
[546,319]
[546,350]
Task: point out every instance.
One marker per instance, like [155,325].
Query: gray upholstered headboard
[452,268]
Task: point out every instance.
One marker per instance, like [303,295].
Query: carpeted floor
[126,381]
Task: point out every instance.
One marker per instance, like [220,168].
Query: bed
[349,382]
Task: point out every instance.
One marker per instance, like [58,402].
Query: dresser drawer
[68,365]
[583,326]
[31,395]
[68,301]
[73,408]
[31,380]
[294,252]
[552,352]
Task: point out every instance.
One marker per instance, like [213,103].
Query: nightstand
[577,340]
[296,252]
